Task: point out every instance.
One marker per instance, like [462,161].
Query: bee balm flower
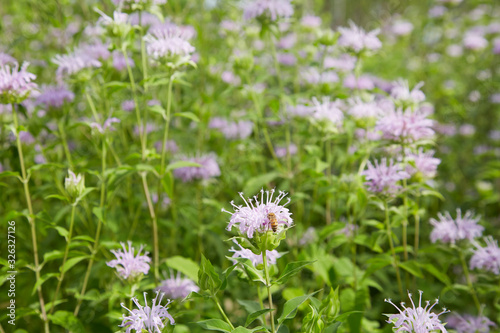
[145,317]
[177,287]
[273,8]
[487,258]
[15,83]
[129,265]
[254,216]
[416,319]
[383,178]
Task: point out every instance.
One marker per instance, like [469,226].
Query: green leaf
[208,279]
[251,317]
[159,109]
[62,231]
[291,269]
[68,321]
[184,265]
[55,254]
[215,325]
[333,328]
[182,164]
[290,307]
[9,174]
[241,329]
[250,306]
[188,115]
[98,213]
[256,183]
[42,280]
[253,273]
[56,196]
[412,267]
[72,262]
[84,237]
[436,273]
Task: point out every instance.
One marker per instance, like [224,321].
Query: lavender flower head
[425,163]
[417,319]
[357,40]
[15,83]
[448,230]
[177,287]
[361,109]
[401,93]
[487,258]
[129,265]
[145,317]
[256,259]
[6,59]
[55,96]
[405,126]
[470,324]
[73,63]
[232,130]
[273,9]
[383,178]
[168,41]
[328,111]
[128,105]
[208,168]
[254,216]
[107,126]
[282,151]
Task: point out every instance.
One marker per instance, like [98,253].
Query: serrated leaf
[208,279]
[184,265]
[68,321]
[215,325]
[253,273]
[291,269]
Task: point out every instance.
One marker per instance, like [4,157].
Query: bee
[273,221]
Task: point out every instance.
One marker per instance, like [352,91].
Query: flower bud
[74,184]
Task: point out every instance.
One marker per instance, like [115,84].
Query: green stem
[261,302]
[469,282]
[98,231]
[62,133]
[389,235]
[66,251]
[167,126]
[31,218]
[156,256]
[222,311]
[92,106]
[268,286]
[417,227]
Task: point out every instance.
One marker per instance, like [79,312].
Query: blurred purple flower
[416,319]
[6,59]
[282,151]
[146,19]
[256,259]
[448,230]
[308,237]
[363,82]
[300,110]
[454,50]
[107,126]
[356,39]
[383,178]
[166,201]
[15,83]
[271,8]
[128,105]
[72,63]
[425,163]
[168,40]
[312,76]
[230,78]
[55,96]
[470,324]
[129,265]
[487,258]
[467,130]
[170,146]
[286,59]
[119,61]
[344,63]
[97,51]
[496,45]
[288,41]
[474,41]
[311,21]
[208,168]
[253,217]
[437,11]
[147,318]
[405,126]
[177,287]
[401,92]
[401,28]
[328,111]
[360,109]
[232,130]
